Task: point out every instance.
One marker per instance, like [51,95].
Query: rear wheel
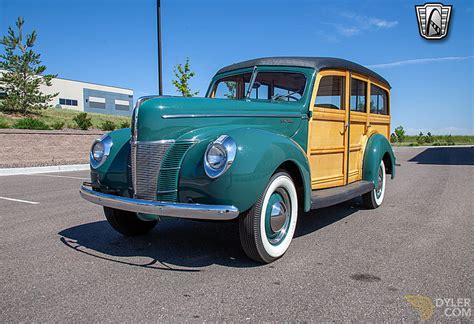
[374,198]
[266,229]
[127,223]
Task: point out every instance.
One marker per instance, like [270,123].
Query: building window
[122,105]
[331,92]
[378,100]
[358,95]
[67,102]
[97,102]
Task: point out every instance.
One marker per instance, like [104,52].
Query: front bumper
[180,210]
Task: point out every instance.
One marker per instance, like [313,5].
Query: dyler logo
[433,20]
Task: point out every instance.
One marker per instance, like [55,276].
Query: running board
[327,197]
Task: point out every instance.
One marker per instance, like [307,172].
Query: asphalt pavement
[61,261]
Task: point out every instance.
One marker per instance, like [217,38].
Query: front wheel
[374,198]
[266,229]
[127,223]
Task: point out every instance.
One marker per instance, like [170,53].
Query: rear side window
[358,95]
[331,92]
[378,100]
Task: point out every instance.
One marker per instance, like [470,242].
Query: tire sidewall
[279,180]
[378,200]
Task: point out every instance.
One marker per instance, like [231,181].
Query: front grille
[155,169]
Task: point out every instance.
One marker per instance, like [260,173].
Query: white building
[90,97]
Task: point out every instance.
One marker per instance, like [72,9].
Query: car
[273,138]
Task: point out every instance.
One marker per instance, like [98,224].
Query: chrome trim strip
[134,140]
[302,116]
[180,210]
[166,191]
[167,141]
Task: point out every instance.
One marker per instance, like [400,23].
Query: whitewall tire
[267,229]
[374,198]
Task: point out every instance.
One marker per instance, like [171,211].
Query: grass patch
[54,117]
[437,140]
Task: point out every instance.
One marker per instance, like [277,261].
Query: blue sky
[114,42]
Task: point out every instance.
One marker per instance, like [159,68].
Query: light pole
[158,23]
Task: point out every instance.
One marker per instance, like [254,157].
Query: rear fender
[376,149]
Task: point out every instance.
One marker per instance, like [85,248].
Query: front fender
[112,176]
[376,149]
[259,154]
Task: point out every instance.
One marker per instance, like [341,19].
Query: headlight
[219,156]
[100,150]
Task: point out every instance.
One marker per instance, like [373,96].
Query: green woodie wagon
[272,138]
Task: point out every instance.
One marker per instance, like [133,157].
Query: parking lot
[61,261]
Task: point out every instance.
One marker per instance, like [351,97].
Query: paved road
[60,260]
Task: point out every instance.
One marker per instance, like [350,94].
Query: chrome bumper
[181,210]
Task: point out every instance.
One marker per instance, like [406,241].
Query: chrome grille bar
[146,164]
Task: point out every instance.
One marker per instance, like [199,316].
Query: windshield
[274,86]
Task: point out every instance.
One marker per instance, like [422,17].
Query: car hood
[163,118]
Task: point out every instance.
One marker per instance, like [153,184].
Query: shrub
[82,121]
[4,123]
[125,124]
[30,123]
[107,126]
[58,125]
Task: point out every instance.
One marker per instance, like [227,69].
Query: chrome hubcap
[277,216]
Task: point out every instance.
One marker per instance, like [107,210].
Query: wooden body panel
[337,138]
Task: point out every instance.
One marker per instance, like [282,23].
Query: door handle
[367,128]
[345,129]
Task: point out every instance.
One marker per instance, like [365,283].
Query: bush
[82,121]
[58,125]
[30,123]
[107,126]
[125,124]
[4,123]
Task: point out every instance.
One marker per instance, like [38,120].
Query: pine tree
[22,77]
[183,74]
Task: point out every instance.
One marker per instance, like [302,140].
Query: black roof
[318,63]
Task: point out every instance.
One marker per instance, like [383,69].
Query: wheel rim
[379,189]
[277,216]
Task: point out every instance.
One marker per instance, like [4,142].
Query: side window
[226,90]
[331,92]
[358,95]
[378,100]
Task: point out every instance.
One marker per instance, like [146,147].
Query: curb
[44,169]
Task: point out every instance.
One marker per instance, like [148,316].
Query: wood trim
[340,149]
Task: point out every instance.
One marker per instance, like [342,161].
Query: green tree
[400,133]
[23,76]
[429,138]
[232,90]
[183,74]
[420,139]
[393,138]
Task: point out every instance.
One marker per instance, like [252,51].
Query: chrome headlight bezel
[227,145]
[106,142]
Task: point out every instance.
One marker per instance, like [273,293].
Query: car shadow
[446,156]
[184,245]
